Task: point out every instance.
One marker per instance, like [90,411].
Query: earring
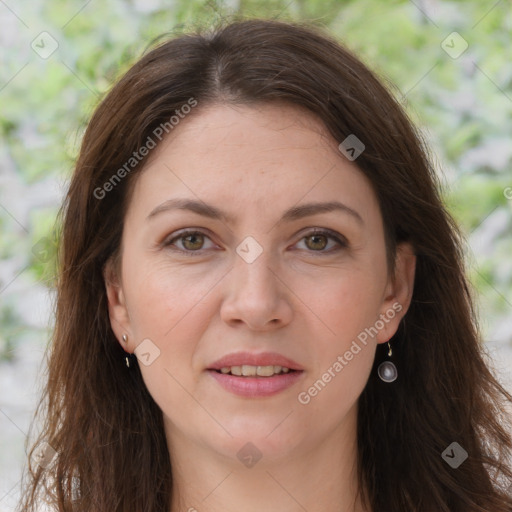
[129,359]
[387,370]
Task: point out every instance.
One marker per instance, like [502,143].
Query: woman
[262,303]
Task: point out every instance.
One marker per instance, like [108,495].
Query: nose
[256,296]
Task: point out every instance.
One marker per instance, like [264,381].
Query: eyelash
[325,232]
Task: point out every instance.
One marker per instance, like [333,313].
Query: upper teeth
[248,370]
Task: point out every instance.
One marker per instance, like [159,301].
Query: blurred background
[449,64]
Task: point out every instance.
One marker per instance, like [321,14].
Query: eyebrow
[294,213]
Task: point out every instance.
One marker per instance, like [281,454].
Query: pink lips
[262,359]
[254,387]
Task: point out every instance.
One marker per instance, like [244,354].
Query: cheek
[347,304]
[163,297]
[342,357]
[171,306]
[167,306]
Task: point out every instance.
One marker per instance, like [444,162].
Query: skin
[304,297]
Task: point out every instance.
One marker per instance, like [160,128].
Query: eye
[191,241]
[318,240]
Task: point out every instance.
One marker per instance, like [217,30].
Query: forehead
[252,158]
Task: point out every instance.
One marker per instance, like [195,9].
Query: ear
[398,293]
[118,313]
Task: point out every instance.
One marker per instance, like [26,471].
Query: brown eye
[189,242]
[193,241]
[318,242]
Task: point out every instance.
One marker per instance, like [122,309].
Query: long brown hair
[100,419]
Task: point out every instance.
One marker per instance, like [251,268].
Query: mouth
[255,371]
[251,364]
[251,375]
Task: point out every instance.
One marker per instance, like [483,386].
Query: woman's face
[253,284]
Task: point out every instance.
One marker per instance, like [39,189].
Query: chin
[268,441]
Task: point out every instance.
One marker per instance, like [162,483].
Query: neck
[320,476]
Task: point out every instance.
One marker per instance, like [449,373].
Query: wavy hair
[108,432]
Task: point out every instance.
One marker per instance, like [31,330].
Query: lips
[252,359]
[252,375]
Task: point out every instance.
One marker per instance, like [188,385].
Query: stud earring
[387,370]
[129,359]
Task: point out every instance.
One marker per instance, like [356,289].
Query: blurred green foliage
[463,106]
